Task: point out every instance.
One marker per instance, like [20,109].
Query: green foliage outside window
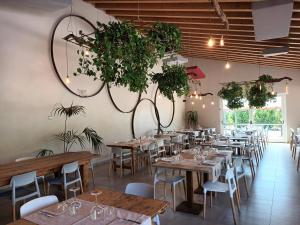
[242,116]
[270,116]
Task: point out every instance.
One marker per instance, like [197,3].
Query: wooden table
[145,206]
[47,164]
[133,145]
[190,206]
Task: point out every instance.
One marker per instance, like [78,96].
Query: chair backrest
[160,143]
[140,189]
[24,158]
[231,181]
[152,146]
[37,204]
[23,179]
[70,168]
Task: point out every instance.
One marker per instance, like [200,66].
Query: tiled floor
[274,195]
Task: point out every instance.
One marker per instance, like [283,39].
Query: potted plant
[233,93]
[192,119]
[258,95]
[172,79]
[71,137]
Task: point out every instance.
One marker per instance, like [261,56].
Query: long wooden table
[145,206]
[47,164]
[190,206]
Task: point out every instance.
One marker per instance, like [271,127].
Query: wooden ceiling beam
[239,60]
[238,56]
[165,1]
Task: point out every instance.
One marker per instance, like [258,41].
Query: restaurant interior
[163,112]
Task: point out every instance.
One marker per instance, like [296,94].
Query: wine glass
[75,205]
[96,212]
[96,194]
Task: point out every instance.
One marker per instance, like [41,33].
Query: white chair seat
[171,179]
[215,186]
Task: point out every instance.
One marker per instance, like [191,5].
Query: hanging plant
[165,37]
[233,94]
[120,55]
[172,79]
[258,95]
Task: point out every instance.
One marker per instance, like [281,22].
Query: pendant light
[227,65]
[222,43]
[211,42]
[286,88]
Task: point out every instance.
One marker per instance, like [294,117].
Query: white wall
[29,87]
[216,74]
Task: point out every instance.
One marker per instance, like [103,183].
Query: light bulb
[286,88]
[192,103]
[212,103]
[203,106]
[196,97]
[210,42]
[86,52]
[260,87]
[273,92]
[222,41]
[200,97]
[195,92]
[68,80]
[227,65]
[159,96]
[191,96]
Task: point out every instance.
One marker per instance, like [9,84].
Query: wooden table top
[41,165]
[132,144]
[145,206]
[194,165]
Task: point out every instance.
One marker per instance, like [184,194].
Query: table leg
[85,176]
[189,206]
[133,158]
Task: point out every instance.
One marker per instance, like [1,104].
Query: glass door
[270,118]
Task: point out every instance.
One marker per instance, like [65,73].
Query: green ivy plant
[172,79]
[258,95]
[233,93]
[165,37]
[121,55]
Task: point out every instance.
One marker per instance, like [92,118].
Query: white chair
[66,179]
[17,184]
[143,190]
[162,176]
[229,187]
[152,151]
[121,158]
[37,204]
[161,147]
[240,173]
[40,178]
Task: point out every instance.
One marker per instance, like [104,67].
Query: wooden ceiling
[197,20]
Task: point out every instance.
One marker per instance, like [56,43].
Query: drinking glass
[75,205]
[96,194]
[96,212]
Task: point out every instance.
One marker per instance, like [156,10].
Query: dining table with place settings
[133,145]
[195,160]
[101,207]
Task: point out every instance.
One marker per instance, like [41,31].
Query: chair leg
[48,189]
[14,211]
[233,210]
[246,186]
[204,205]
[298,163]
[174,198]
[66,193]
[211,199]
[237,201]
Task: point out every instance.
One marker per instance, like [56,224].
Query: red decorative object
[195,72]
